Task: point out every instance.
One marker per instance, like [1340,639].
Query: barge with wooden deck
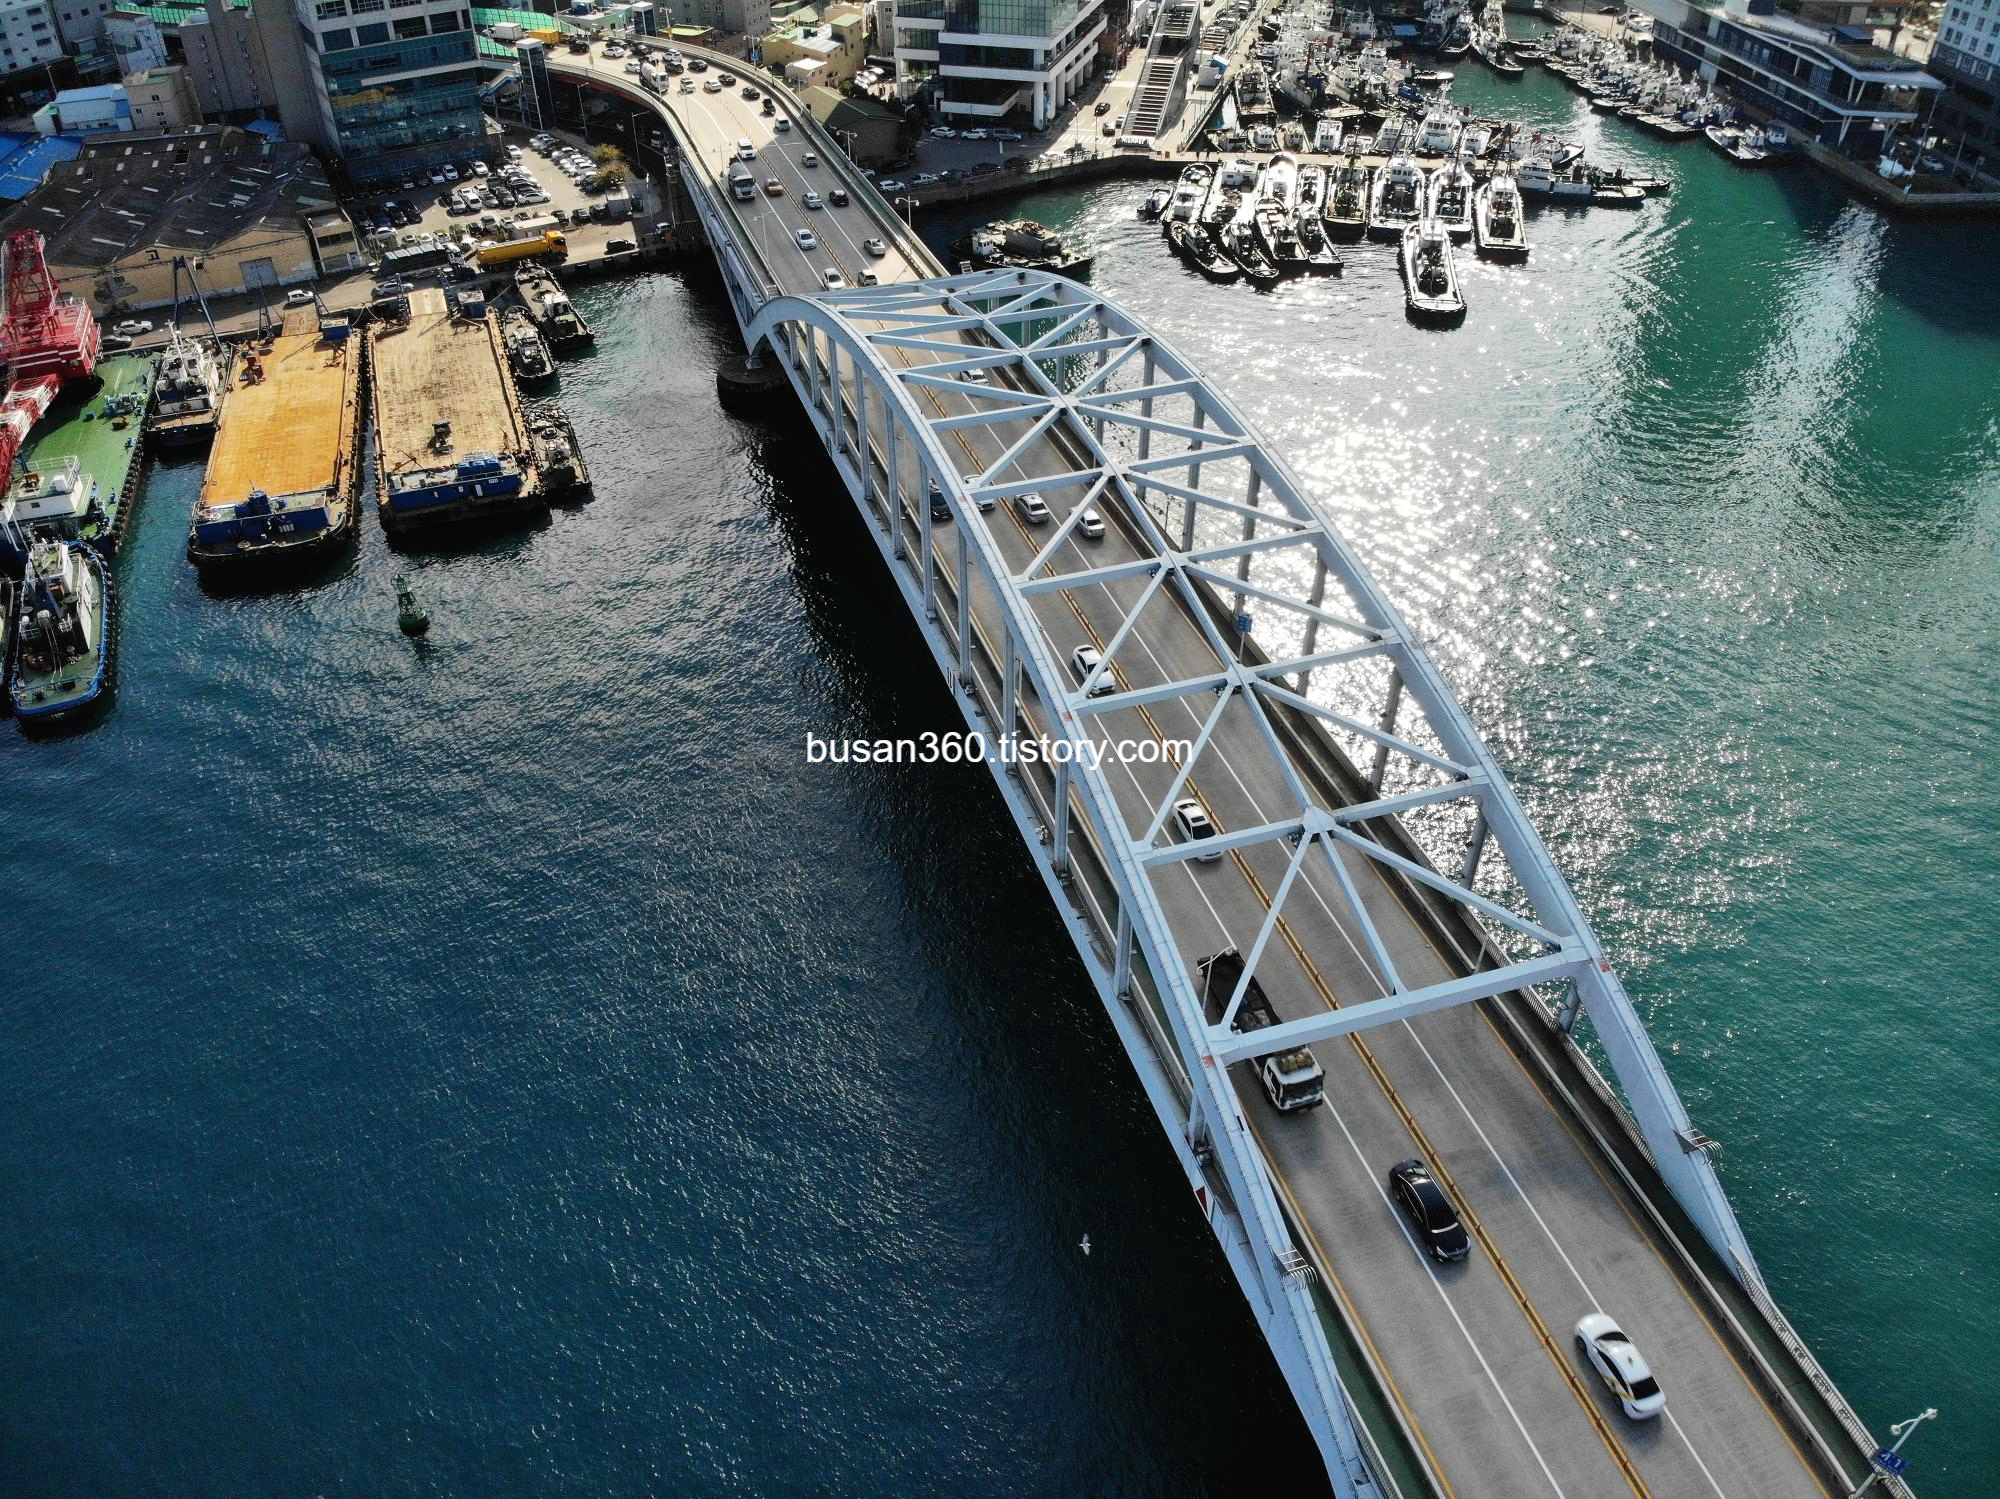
[452,443]
[284,476]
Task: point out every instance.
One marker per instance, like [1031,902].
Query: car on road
[875,247]
[892,185]
[728,80]
[783,127]
[1083,661]
[838,197]
[698,64]
[973,135]
[810,159]
[807,240]
[944,132]
[1032,508]
[974,377]
[298,296]
[687,85]
[1103,107]
[1621,1366]
[928,179]
[1005,134]
[774,187]
[713,86]
[750,92]
[939,509]
[867,278]
[1195,824]
[1433,1219]
[1090,525]
[1110,128]
[632,66]
[832,280]
[814,200]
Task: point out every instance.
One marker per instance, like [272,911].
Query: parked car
[928,179]
[298,296]
[619,246]
[944,132]
[892,185]
[1620,1365]
[133,327]
[1005,134]
[1433,1219]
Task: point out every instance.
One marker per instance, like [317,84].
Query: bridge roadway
[1477,1359]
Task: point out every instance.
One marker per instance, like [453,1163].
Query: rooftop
[176,190]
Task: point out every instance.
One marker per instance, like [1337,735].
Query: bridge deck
[1478,1357]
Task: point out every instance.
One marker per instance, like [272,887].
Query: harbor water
[499,1063]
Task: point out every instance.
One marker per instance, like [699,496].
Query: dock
[283,477]
[452,442]
[78,469]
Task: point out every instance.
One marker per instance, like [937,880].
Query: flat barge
[77,478]
[452,443]
[284,476]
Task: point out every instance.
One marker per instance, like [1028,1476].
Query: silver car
[1032,508]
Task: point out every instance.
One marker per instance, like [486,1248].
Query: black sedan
[1431,1215]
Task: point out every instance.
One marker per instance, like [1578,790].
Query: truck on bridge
[1292,1079]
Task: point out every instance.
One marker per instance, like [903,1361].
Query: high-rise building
[382,86]
[225,62]
[990,58]
[1968,35]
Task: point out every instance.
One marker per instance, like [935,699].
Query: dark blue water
[499,1064]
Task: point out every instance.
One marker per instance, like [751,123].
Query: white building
[28,35]
[136,39]
[80,21]
[1968,36]
[990,58]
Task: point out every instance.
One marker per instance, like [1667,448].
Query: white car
[944,132]
[807,240]
[1620,1365]
[632,66]
[974,377]
[832,280]
[133,327]
[813,200]
[875,247]
[973,135]
[480,169]
[687,85]
[783,127]
[1083,661]
[893,185]
[713,86]
[296,297]
[867,278]
[1195,825]
[1090,525]
[810,159]
[1032,508]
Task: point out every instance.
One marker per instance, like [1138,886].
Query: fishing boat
[1193,244]
[1344,214]
[1475,140]
[1459,42]
[1023,244]
[1438,134]
[1497,218]
[1240,240]
[1430,280]
[1327,137]
[1397,198]
[1571,184]
[1309,221]
[555,448]
[62,649]
[549,305]
[1155,204]
[1450,201]
[527,352]
[187,398]
[1431,77]
[1190,192]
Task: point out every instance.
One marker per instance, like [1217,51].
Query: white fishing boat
[1430,279]
[1450,199]
[1497,218]
[1438,134]
[1397,198]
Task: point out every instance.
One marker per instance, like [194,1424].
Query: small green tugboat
[411,617]
[1023,244]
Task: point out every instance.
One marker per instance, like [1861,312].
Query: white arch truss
[996,384]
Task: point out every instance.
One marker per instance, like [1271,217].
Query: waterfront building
[384,87]
[1831,82]
[28,35]
[225,62]
[819,52]
[990,60]
[246,209]
[1968,35]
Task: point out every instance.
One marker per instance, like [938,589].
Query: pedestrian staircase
[1149,100]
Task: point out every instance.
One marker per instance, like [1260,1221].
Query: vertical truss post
[1010,677]
[1145,433]
[1059,853]
[1469,870]
[1121,956]
[812,365]
[1194,482]
[1252,497]
[964,612]
[1317,598]
[863,446]
[1388,727]
[835,406]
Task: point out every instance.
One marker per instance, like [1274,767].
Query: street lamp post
[906,204]
[1901,1430]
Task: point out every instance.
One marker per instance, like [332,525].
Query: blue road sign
[1243,623]
[1892,1463]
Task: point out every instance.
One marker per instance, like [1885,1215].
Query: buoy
[410,618]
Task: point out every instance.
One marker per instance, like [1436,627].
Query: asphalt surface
[1479,1356]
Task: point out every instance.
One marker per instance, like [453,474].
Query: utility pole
[1891,1462]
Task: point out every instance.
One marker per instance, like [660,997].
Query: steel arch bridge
[994,385]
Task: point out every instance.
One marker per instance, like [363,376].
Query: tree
[606,155]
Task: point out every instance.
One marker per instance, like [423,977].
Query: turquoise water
[499,1064]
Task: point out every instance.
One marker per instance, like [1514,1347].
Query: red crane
[46,338]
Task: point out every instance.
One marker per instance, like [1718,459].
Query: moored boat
[1155,203]
[1430,279]
[63,624]
[555,449]
[1397,198]
[1497,218]
[1023,244]
[1240,240]
[549,305]
[1450,201]
[1345,211]
[527,352]
[187,399]
[1193,244]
